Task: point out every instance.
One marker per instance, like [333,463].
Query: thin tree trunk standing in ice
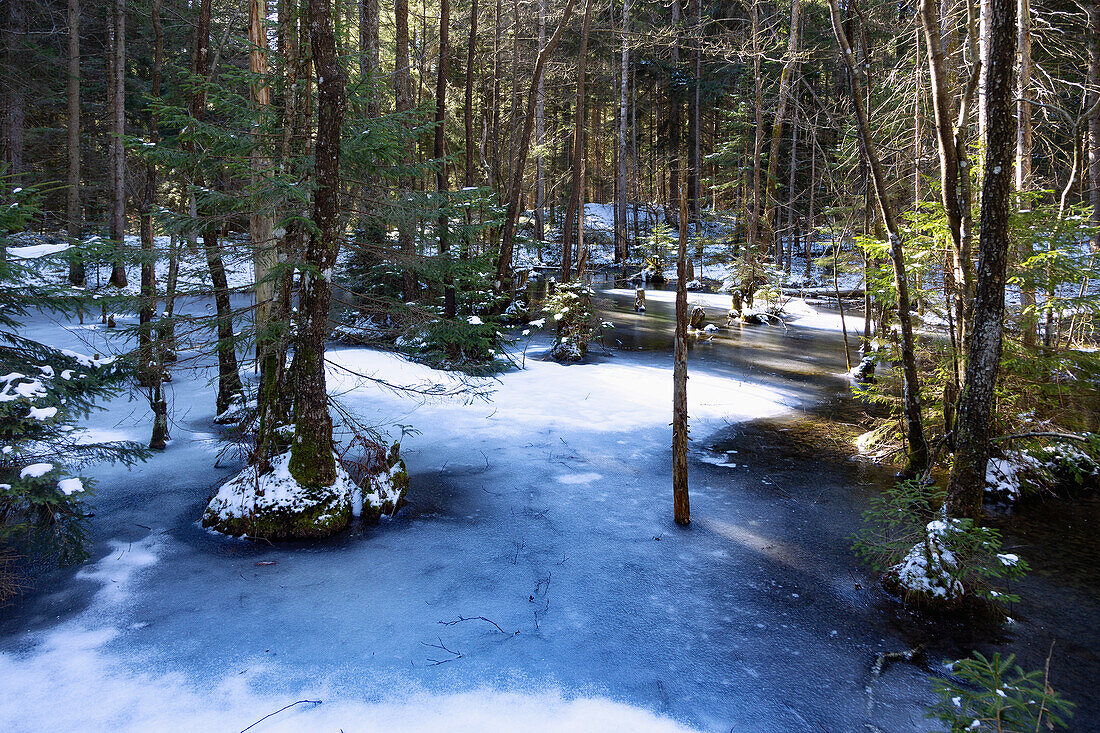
[914,425]
[468,121]
[116,53]
[150,345]
[621,199]
[402,92]
[1094,120]
[964,494]
[1024,183]
[680,504]
[511,216]
[73,218]
[442,225]
[229,380]
[311,459]
[262,235]
[576,193]
[786,82]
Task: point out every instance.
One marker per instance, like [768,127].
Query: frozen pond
[543,517]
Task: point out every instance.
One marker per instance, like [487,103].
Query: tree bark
[540,140]
[918,446]
[1024,183]
[964,495]
[116,37]
[1094,120]
[73,218]
[681,510]
[402,88]
[511,217]
[262,235]
[442,224]
[15,115]
[621,197]
[575,206]
[786,82]
[468,120]
[149,369]
[954,165]
[311,459]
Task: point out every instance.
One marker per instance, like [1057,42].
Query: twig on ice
[460,619]
[285,707]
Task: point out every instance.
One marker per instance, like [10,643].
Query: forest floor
[536,580]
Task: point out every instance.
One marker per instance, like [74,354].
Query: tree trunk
[674,100]
[311,459]
[402,88]
[262,234]
[964,497]
[621,198]
[540,140]
[680,505]
[116,36]
[511,217]
[786,82]
[753,230]
[73,218]
[954,166]
[575,205]
[15,115]
[1094,120]
[442,225]
[149,368]
[918,445]
[468,120]
[1024,183]
[229,381]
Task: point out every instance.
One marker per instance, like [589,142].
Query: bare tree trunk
[680,504]
[693,112]
[116,37]
[15,115]
[954,165]
[918,446]
[621,198]
[964,495]
[753,231]
[402,88]
[786,82]
[672,150]
[540,139]
[229,381]
[468,121]
[73,218]
[149,369]
[442,225]
[1094,120]
[1024,183]
[264,254]
[511,217]
[576,195]
[368,51]
[311,459]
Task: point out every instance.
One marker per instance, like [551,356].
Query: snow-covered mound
[276,506]
[926,574]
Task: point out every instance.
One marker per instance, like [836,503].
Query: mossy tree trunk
[964,496]
[311,459]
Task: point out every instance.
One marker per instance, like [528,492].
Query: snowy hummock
[34,251]
[926,571]
[275,505]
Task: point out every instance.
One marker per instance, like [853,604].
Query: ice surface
[546,509]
